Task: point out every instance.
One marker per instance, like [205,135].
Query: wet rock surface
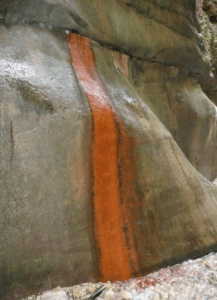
[46,134]
[168,32]
[44,121]
[193,279]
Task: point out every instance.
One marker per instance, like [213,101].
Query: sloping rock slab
[47,237]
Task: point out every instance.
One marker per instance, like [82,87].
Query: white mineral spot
[215,181]
[109,295]
[126,295]
[142,296]
[53,295]
[134,292]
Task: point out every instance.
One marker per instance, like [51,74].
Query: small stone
[143,296]
[109,295]
[42,25]
[126,295]
[77,293]
[67,31]
[149,282]
[134,292]
[140,284]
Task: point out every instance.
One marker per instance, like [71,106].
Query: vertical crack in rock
[12,143]
[117,256]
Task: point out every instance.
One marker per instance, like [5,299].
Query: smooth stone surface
[165,31]
[45,178]
[46,183]
[180,104]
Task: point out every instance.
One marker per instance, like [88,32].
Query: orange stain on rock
[116,253]
[127,193]
[121,62]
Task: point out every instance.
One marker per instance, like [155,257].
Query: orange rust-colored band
[117,257]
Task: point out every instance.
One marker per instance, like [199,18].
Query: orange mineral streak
[112,249]
[128,195]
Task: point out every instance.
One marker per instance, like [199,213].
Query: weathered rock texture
[209,30]
[108,143]
[210,7]
[193,279]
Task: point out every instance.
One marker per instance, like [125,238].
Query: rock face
[108,142]
[210,41]
[45,124]
[210,7]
